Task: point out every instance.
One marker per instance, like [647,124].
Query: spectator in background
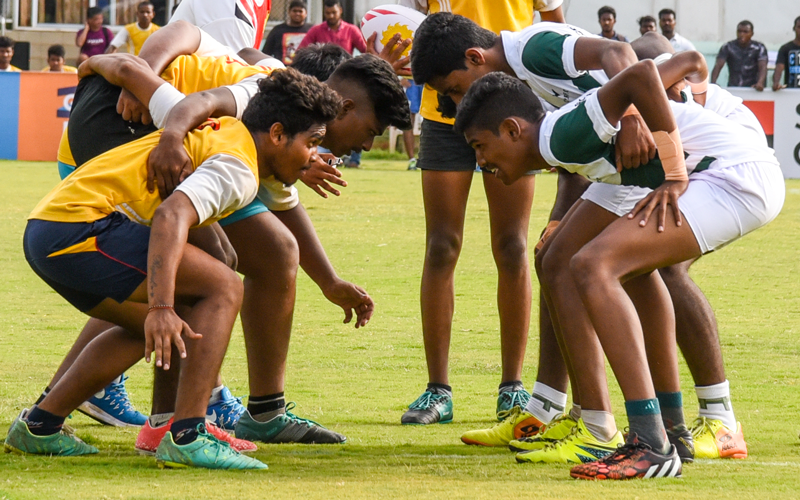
[345,35]
[284,38]
[607,17]
[6,53]
[414,94]
[55,61]
[335,30]
[789,61]
[747,60]
[667,18]
[93,38]
[646,24]
[134,35]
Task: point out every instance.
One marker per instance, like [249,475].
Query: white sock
[600,424]
[546,403]
[215,394]
[159,419]
[715,403]
[575,412]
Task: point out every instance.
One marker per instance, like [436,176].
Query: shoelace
[300,420]
[626,451]
[515,398]
[223,449]
[572,434]
[119,394]
[424,401]
[504,415]
[702,424]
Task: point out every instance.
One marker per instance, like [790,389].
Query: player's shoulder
[559,28]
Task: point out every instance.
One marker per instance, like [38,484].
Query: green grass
[359,381]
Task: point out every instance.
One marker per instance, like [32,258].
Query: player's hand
[635,145]
[131,109]
[321,173]
[759,86]
[777,87]
[351,298]
[392,52]
[162,330]
[86,68]
[665,194]
[168,165]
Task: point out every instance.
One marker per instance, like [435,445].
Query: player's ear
[347,106]
[475,56]
[512,128]
[277,134]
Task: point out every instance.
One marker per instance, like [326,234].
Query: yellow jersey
[137,36]
[116,180]
[508,15]
[193,73]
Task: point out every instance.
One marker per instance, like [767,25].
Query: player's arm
[126,71]
[641,86]
[686,66]
[168,236]
[635,145]
[314,261]
[167,43]
[169,164]
[553,16]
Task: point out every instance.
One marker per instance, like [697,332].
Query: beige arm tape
[699,88]
[670,151]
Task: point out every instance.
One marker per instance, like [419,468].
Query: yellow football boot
[579,447]
[558,428]
[713,440]
[515,424]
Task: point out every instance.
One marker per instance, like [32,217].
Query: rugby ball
[386,20]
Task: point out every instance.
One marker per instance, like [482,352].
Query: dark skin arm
[168,235]
[553,16]
[641,86]
[351,298]
[635,145]
[717,68]
[776,77]
[159,50]
[689,65]
[762,76]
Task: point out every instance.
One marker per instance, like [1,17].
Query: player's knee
[554,267]
[584,267]
[442,251]
[275,261]
[229,290]
[674,274]
[511,253]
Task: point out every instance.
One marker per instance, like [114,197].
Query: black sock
[263,404]
[443,389]
[43,395]
[511,386]
[43,423]
[185,431]
[671,404]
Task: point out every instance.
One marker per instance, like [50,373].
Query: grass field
[360,381]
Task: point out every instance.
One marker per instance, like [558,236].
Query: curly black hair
[440,44]
[295,100]
[378,78]
[319,60]
[493,98]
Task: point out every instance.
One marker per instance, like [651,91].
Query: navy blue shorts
[89,262]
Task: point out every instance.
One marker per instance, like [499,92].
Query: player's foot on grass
[713,440]
[516,424]
[286,428]
[412,164]
[579,447]
[150,437]
[681,438]
[509,399]
[112,406]
[430,408]
[226,411]
[205,452]
[630,461]
[63,443]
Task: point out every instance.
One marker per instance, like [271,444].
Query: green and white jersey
[579,138]
[543,56]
